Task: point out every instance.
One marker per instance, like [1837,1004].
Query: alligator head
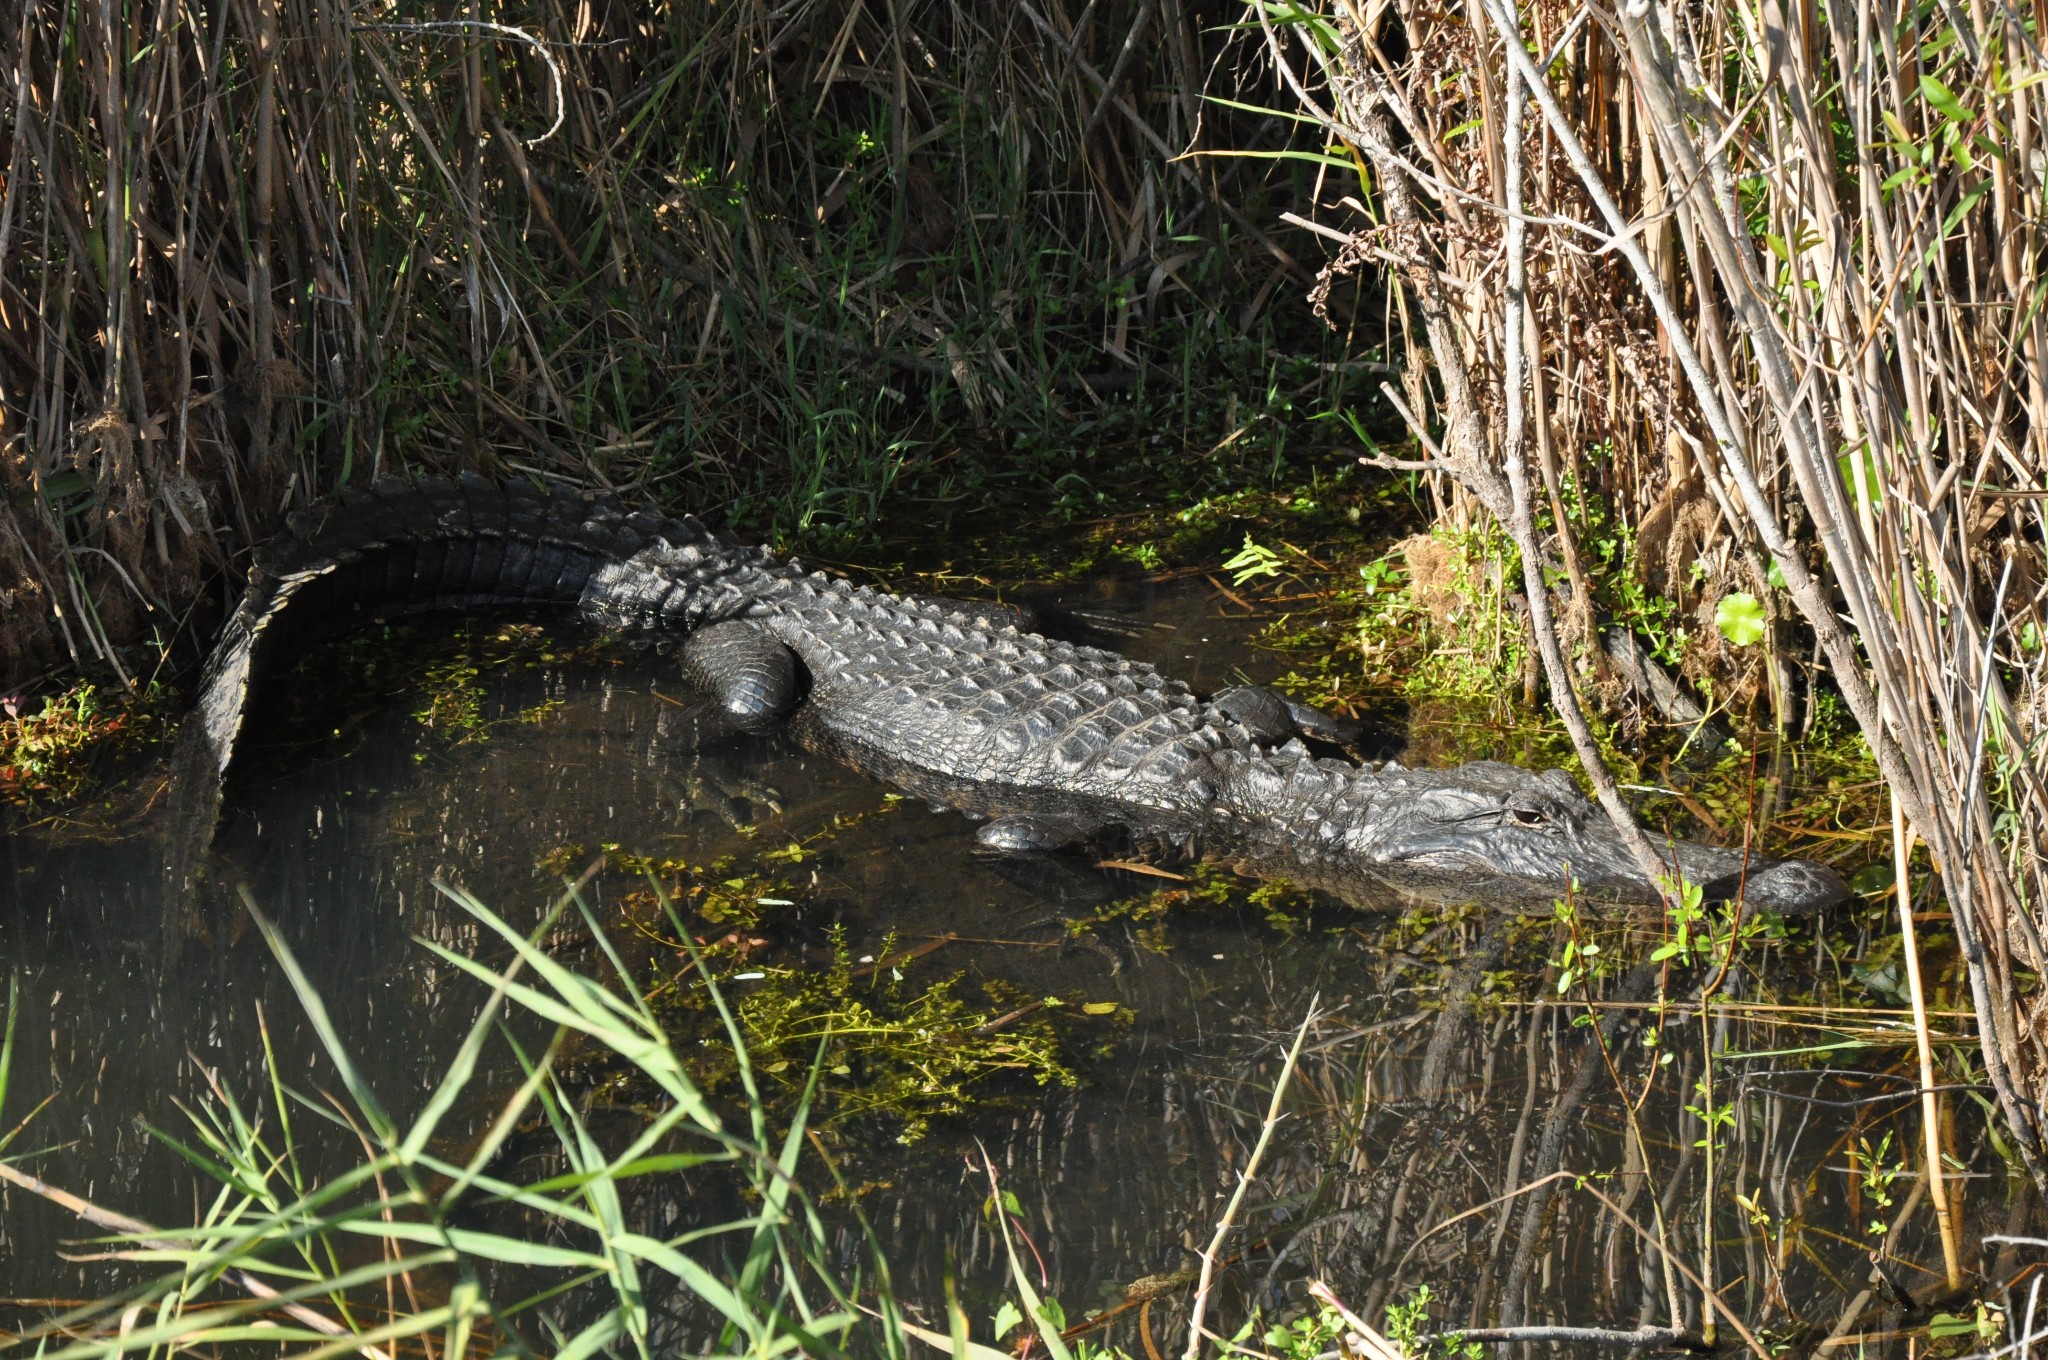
[1487,821]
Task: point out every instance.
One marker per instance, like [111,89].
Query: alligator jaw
[1514,830]
[1796,887]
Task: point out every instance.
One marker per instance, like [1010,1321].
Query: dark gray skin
[1047,742]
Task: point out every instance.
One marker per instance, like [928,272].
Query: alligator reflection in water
[1420,1117]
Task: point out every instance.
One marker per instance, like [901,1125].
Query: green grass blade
[755,1107]
[463,1067]
[323,1025]
[1034,1306]
[482,1245]
[7,1038]
[595,1337]
[592,1001]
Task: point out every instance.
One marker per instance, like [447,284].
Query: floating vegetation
[898,1046]
[896,1050]
[441,671]
[1199,886]
[451,685]
[721,891]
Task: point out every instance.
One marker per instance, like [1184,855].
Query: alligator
[1048,743]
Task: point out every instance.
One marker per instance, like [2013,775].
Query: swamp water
[1406,1112]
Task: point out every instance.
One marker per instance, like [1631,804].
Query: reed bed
[776,263]
[1747,300]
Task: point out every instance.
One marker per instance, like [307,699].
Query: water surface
[1404,1119]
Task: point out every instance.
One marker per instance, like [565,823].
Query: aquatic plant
[53,752]
[434,1240]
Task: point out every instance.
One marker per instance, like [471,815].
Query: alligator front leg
[1271,717]
[750,675]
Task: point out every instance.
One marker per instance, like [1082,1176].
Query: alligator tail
[401,548]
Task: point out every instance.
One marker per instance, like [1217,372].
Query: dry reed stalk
[1274,1113]
[254,249]
[1824,364]
[1930,1098]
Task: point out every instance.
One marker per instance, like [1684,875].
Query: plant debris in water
[57,752]
[1201,886]
[896,1045]
[441,671]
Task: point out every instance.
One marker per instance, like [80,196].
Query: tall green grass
[416,1249]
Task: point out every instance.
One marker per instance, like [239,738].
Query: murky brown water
[1404,1119]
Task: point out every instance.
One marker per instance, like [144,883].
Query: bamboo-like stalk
[1275,1111]
[1930,1098]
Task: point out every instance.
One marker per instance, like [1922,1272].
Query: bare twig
[1210,1254]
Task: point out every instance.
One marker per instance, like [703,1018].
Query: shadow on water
[1456,1122]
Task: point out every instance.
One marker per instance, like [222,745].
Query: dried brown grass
[1782,310]
[767,260]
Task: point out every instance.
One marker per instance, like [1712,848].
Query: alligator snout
[1797,887]
[1488,819]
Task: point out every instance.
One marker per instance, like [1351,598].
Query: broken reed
[771,262]
[1782,313]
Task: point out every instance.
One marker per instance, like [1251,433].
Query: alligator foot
[1272,718]
[751,676]
[738,802]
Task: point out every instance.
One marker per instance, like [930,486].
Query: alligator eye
[1528,816]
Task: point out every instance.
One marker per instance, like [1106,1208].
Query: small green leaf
[1006,1319]
[1872,482]
[1253,560]
[61,484]
[1740,617]
[1911,174]
[1944,100]
[1970,199]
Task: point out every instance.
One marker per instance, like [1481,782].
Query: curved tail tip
[1796,887]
